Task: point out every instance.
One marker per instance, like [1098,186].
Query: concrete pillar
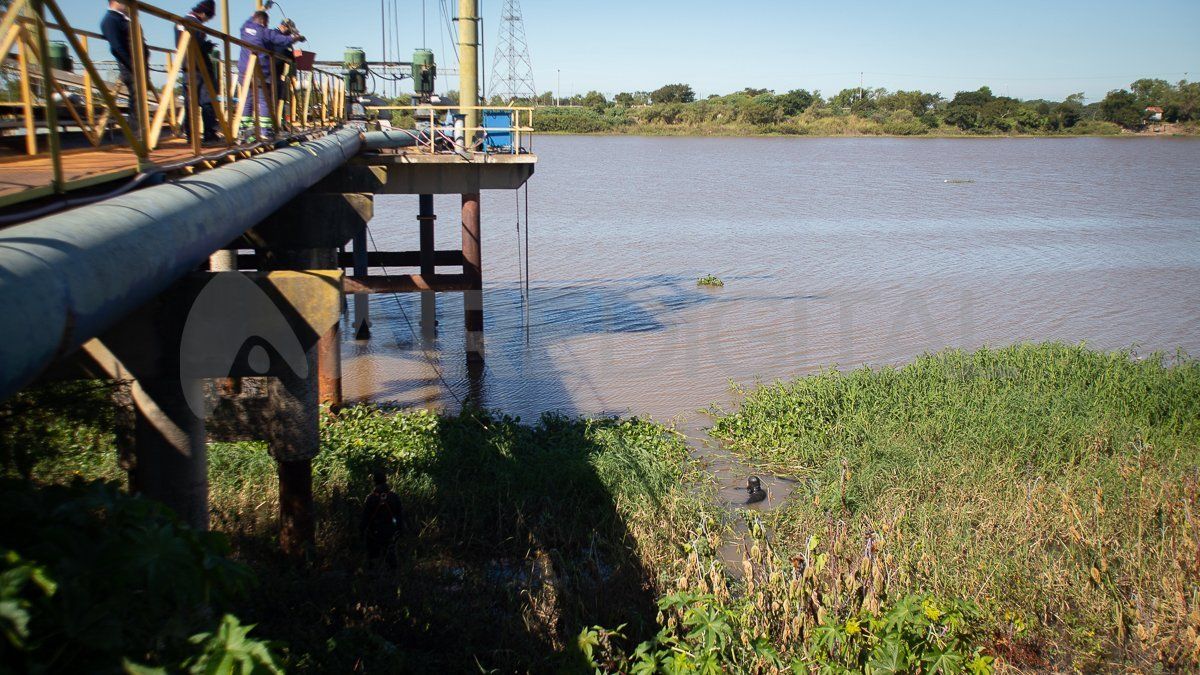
[362,301]
[426,219]
[171,463]
[472,250]
[293,416]
[293,439]
[225,260]
[468,65]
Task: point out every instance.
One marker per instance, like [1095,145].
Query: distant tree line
[870,110]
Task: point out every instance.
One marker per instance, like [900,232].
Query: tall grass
[515,538]
[1054,485]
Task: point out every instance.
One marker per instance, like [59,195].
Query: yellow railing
[521,128]
[307,100]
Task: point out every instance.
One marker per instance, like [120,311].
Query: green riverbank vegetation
[1149,106]
[1021,509]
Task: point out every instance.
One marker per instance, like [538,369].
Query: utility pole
[558,90]
[472,252]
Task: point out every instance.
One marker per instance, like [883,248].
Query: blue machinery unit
[497,135]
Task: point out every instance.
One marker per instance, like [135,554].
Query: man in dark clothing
[381,521]
[256,32]
[202,13]
[116,30]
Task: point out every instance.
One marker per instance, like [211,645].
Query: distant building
[1154,113]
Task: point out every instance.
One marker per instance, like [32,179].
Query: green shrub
[1094,128]
[1045,482]
[92,578]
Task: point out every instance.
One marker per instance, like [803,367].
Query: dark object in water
[757,493]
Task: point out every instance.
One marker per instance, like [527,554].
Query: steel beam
[407,283]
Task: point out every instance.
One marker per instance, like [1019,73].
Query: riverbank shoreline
[952,504]
[733,133]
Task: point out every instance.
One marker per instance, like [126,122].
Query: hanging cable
[527,298]
[413,331]
[396,20]
[520,263]
[527,242]
[449,29]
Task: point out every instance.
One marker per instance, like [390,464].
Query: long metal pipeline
[67,278]
[394,138]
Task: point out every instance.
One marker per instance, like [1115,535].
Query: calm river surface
[834,252]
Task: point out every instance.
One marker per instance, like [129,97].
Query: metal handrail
[307,101]
[516,129]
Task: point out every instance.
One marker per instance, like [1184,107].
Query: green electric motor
[60,58]
[424,72]
[354,58]
[355,61]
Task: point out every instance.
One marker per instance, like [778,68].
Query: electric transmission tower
[512,70]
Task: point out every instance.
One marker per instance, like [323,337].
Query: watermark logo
[232,323]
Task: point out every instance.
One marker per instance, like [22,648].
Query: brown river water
[834,253]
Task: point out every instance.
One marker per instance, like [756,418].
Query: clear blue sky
[1022,48]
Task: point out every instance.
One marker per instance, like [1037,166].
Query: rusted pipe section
[67,278]
[472,250]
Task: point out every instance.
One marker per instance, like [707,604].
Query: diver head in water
[755,489]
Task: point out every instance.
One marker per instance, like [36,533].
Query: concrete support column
[329,347]
[468,65]
[293,438]
[472,250]
[293,416]
[225,260]
[427,218]
[171,463]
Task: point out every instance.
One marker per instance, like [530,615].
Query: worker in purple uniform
[257,32]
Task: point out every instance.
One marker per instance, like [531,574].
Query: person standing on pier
[202,13]
[267,42]
[117,30]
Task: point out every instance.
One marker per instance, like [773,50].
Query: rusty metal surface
[407,283]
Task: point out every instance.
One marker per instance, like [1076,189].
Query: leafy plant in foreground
[93,580]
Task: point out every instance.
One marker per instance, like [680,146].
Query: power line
[413,331]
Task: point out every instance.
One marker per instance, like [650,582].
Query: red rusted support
[407,283]
[472,250]
[329,366]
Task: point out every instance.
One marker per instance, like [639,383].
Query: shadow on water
[514,543]
[530,348]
